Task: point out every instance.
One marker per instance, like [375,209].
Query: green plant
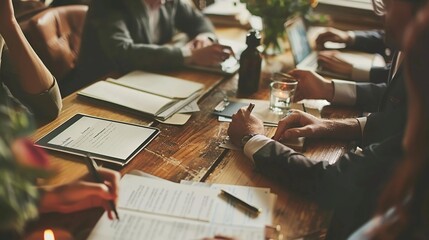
[274,14]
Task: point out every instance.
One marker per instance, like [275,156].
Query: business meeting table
[192,152]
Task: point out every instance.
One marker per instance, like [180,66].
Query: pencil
[254,210]
[92,168]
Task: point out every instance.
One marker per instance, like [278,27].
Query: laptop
[229,66]
[306,58]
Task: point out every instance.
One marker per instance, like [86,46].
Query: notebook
[153,208]
[153,94]
[305,58]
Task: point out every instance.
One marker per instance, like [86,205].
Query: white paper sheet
[158,197]
[136,226]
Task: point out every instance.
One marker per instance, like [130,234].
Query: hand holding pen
[244,123]
[92,167]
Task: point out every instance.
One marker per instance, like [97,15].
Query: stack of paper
[151,208]
[153,94]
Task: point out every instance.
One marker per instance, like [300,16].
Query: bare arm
[33,76]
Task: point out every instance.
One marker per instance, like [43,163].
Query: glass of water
[281,95]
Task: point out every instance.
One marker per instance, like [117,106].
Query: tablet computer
[106,140]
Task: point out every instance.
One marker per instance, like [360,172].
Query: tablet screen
[104,139]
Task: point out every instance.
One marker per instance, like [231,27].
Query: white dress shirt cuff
[362,123]
[254,144]
[344,92]
[352,36]
[361,70]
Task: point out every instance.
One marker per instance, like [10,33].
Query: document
[135,226]
[226,211]
[157,209]
[105,139]
[163,198]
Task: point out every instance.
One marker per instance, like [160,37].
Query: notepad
[153,208]
[156,95]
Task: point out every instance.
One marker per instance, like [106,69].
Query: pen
[250,107]
[92,167]
[254,210]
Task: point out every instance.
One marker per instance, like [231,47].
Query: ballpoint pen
[250,107]
[92,167]
[254,210]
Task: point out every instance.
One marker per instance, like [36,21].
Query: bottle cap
[253,38]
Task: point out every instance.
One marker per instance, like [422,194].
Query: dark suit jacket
[372,42]
[116,38]
[350,187]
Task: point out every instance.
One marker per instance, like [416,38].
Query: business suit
[352,185]
[117,38]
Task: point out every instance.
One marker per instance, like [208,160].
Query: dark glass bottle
[250,64]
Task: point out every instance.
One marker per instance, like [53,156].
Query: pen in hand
[92,167]
[250,108]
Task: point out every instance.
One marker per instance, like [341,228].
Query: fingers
[290,121]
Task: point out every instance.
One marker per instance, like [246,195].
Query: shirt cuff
[254,144]
[362,123]
[344,92]
[361,70]
[352,36]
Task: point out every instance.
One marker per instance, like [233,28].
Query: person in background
[127,35]
[30,83]
[23,77]
[353,183]
[403,211]
[362,41]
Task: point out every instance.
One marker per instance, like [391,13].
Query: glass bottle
[250,64]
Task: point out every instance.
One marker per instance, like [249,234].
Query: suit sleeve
[369,41]
[368,95]
[328,184]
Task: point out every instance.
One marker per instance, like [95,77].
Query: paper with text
[135,226]
[227,213]
[163,198]
[101,136]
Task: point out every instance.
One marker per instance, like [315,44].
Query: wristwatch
[246,138]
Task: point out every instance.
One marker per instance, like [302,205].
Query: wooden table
[192,152]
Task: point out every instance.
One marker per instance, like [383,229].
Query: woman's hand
[82,194]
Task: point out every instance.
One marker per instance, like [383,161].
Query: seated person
[127,35]
[401,212]
[351,185]
[402,209]
[387,100]
[33,85]
[362,41]
[22,74]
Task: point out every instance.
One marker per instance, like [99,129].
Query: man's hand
[82,194]
[312,86]
[332,61]
[301,124]
[333,35]
[200,41]
[243,123]
[210,55]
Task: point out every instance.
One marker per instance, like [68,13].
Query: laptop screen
[297,36]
